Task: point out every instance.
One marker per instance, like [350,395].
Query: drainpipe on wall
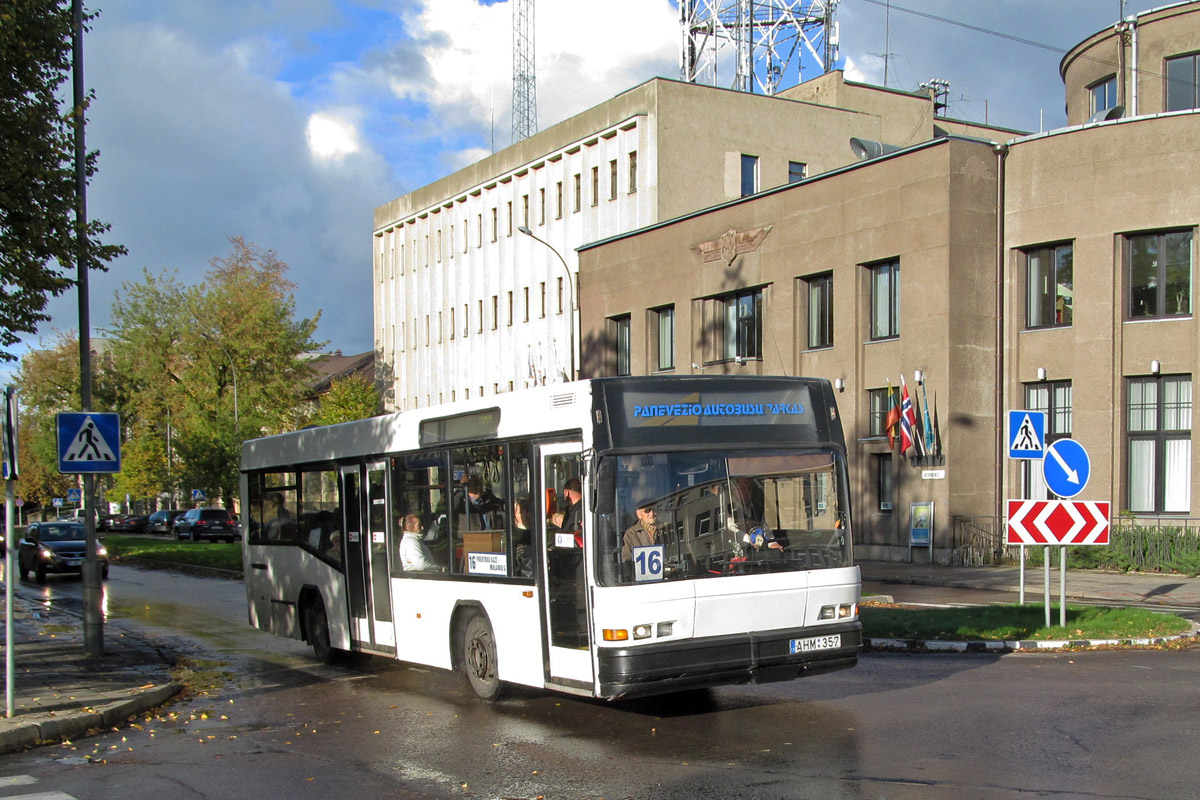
[1133,66]
[1001,151]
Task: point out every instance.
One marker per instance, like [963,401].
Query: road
[274,723]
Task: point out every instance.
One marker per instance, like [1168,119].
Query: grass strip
[213,555]
[1012,622]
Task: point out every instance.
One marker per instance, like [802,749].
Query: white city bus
[749,576]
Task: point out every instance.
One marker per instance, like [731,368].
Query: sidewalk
[58,692]
[1094,586]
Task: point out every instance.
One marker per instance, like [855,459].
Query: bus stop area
[61,693]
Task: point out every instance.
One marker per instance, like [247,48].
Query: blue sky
[286,122]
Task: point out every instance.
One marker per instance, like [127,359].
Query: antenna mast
[758,41]
[524,111]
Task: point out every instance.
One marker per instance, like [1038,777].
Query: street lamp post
[237,427]
[570,288]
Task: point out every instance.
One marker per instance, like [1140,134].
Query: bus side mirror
[603,488]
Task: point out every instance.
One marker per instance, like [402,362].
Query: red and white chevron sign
[1057,522]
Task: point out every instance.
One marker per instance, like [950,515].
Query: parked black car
[130,523]
[206,523]
[58,546]
[161,521]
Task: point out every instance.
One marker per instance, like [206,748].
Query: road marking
[16,780]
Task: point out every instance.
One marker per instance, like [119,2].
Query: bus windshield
[709,514]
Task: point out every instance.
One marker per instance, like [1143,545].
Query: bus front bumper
[753,657]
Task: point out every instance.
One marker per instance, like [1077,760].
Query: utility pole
[93,620]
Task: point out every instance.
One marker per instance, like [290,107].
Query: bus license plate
[833,640]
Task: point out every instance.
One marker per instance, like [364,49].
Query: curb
[43,728]
[1012,645]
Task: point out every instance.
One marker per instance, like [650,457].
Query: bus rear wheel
[479,658]
[318,631]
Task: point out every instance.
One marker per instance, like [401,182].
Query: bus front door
[568,655]
[365,507]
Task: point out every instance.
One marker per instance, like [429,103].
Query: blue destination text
[718,410]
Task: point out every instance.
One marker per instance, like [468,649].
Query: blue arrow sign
[1066,467]
[88,441]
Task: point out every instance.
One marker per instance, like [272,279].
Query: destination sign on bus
[789,407]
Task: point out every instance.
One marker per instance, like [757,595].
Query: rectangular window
[820,311]
[885,300]
[510,218]
[883,480]
[1049,286]
[558,200]
[1183,82]
[1053,398]
[451,241]
[525,211]
[578,192]
[542,289]
[749,175]
[495,225]
[479,230]
[632,171]
[480,330]
[736,322]
[438,253]
[466,317]
[495,312]
[526,292]
[618,331]
[595,186]
[662,331]
[1159,430]
[878,408]
[510,308]
[612,179]
[560,295]
[1104,94]
[797,171]
[541,206]
[1160,275]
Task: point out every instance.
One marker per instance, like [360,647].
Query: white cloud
[331,136]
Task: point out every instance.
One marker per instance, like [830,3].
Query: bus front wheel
[479,658]
[318,631]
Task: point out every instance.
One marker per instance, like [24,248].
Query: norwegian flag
[908,419]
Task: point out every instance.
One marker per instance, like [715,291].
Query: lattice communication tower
[757,41]
[524,103]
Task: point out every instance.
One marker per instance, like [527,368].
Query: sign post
[9,437]
[89,442]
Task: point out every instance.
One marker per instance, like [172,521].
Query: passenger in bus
[570,519]
[642,533]
[414,555]
[481,505]
[523,538]
[281,527]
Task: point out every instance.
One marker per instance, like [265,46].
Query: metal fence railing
[1139,544]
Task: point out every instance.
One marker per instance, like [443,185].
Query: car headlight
[46,553]
[101,551]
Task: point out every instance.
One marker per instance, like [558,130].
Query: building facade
[468,305]
[1051,272]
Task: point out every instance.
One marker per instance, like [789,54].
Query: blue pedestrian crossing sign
[89,441]
[1066,468]
[1026,434]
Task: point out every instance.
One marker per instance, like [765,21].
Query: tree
[37,174]
[210,366]
[350,398]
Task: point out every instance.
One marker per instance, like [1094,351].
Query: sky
[286,122]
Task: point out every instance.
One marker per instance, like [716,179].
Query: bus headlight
[842,611]
[641,631]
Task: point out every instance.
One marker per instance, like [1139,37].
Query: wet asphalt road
[273,723]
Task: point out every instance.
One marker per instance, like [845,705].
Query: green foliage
[37,173]
[215,555]
[1006,623]
[350,398]
[1135,547]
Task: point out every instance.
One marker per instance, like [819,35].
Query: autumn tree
[349,398]
[215,364]
[38,244]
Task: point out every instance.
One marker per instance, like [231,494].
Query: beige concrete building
[465,305]
[1050,272]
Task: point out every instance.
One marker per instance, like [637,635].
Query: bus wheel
[479,658]
[318,631]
